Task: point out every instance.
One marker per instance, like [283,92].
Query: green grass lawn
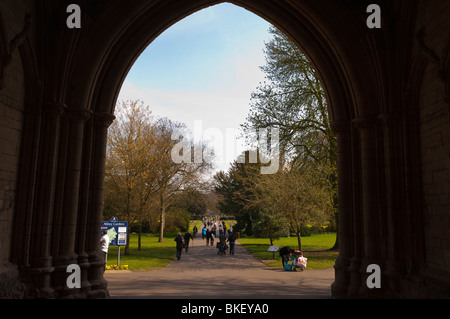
[315,248]
[154,254]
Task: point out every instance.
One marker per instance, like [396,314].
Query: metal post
[118,257]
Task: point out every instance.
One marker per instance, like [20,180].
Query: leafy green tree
[297,196]
[271,224]
[194,201]
[237,192]
[293,100]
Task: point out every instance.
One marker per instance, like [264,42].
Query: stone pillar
[394,171]
[83,213]
[356,222]
[26,186]
[41,258]
[66,251]
[100,133]
[345,208]
[369,186]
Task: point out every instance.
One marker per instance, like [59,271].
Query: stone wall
[433,25]
[12,96]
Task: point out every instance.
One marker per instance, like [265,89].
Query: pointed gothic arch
[73,77]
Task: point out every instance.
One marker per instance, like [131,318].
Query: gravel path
[203,274]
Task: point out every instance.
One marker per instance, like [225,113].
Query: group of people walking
[183,242]
[209,232]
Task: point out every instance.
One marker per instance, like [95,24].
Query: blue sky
[203,70]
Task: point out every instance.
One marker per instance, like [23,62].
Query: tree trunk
[336,219]
[336,243]
[299,239]
[127,246]
[162,217]
[128,214]
[139,234]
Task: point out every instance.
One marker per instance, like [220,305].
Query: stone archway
[74,79]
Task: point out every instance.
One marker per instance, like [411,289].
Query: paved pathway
[203,274]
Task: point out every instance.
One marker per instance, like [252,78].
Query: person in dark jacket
[232,240]
[187,238]
[208,236]
[222,243]
[284,253]
[179,240]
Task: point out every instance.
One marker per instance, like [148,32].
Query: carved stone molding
[442,62]
[427,51]
[7,47]
[78,113]
[103,119]
[18,39]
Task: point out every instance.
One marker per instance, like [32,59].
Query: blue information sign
[117,231]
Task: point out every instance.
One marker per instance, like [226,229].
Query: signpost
[117,233]
[273,249]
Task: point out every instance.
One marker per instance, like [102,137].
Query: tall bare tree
[140,166]
[129,177]
[173,176]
